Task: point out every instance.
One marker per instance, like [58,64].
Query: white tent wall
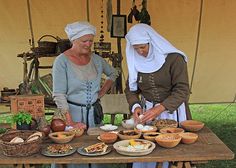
[177,20]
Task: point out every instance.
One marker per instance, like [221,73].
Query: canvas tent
[209,43]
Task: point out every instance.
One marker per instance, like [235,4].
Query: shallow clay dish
[139,152]
[129,134]
[61,137]
[192,125]
[171,130]
[151,136]
[163,123]
[108,137]
[78,132]
[188,137]
[152,129]
[168,140]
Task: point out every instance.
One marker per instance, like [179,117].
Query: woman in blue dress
[77,75]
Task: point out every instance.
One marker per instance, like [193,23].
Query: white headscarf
[78,29]
[159,48]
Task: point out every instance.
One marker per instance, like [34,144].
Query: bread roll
[17,140]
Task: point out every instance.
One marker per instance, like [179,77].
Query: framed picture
[118,26]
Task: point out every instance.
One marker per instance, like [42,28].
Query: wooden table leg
[179,164]
[159,165]
[19,166]
[187,165]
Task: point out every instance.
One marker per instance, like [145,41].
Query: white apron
[181,116]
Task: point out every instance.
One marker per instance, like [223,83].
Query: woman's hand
[70,122]
[137,112]
[79,125]
[152,113]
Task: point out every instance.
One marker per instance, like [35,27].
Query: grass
[220,118]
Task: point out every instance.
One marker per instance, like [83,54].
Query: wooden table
[208,147]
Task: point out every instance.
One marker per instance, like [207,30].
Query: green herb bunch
[22,117]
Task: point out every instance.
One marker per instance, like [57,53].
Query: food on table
[17,140]
[59,148]
[108,137]
[129,132]
[162,123]
[171,130]
[109,127]
[33,138]
[58,125]
[145,128]
[135,145]
[39,134]
[98,147]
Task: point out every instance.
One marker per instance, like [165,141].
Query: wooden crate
[34,104]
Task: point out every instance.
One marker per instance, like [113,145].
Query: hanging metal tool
[130,16]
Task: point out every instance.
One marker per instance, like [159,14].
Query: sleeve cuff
[134,106]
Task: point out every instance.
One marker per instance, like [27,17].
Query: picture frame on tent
[118,26]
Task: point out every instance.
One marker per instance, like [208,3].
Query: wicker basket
[19,149]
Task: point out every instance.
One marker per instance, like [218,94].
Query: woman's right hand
[79,125]
[137,112]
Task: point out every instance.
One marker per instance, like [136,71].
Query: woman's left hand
[152,113]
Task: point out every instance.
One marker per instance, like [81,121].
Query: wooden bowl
[78,132]
[192,125]
[151,136]
[129,134]
[62,137]
[171,130]
[188,137]
[108,137]
[168,140]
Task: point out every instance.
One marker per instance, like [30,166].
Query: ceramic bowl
[192,125]
[151,136]
[163,123]
[146,128]
[188,137]
[121,147]
[127,125]
[129,134]
[171,130]
[168,140]
[61,137]
[78,132]
[108,137]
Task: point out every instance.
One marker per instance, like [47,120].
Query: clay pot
[46,130]
[58,125]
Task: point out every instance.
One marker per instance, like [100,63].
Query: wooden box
[34,104]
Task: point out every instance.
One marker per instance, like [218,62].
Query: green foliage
[22,117]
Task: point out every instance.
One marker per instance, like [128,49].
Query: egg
[141,116]
[139,126]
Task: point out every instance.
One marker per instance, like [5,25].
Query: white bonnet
[78,29]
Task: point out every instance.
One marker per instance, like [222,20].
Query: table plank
[208,147]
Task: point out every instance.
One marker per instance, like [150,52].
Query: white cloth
[159,48]
[78,29]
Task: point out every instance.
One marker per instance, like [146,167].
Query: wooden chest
[34,104]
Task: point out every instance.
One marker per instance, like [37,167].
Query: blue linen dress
[67,85]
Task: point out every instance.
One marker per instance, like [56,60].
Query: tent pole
[30,23]
[197,46]
[88,10]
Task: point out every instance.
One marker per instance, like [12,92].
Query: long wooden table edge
[114,157]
